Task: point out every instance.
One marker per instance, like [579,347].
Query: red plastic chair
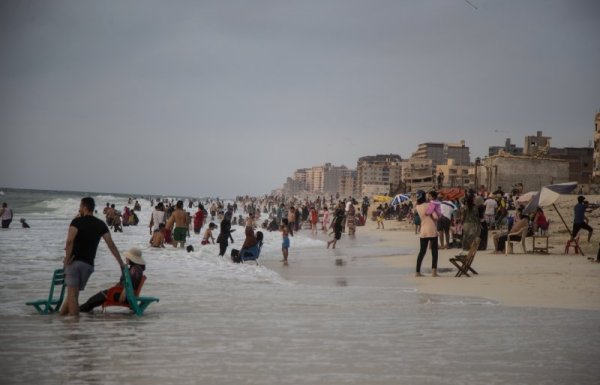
[574,243]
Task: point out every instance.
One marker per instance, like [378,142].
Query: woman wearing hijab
[225,234]
[428,234]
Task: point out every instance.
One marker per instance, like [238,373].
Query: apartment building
[439,153]
[378,174]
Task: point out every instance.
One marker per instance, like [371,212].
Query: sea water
[330,317]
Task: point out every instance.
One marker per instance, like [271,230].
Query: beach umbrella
[527,197]
[548,195]
[381,198]
[398,199]
[452,193]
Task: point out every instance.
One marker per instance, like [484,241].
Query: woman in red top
[540,221]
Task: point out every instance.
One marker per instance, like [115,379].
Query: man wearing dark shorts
[83,238]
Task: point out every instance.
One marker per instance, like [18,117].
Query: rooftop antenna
[471,4]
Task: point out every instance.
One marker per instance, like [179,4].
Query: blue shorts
[77,274]
[286,243]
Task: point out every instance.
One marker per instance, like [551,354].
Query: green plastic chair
[51,304]
[137,304]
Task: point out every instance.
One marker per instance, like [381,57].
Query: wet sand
[554,280]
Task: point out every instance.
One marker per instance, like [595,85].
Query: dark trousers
[6,223]
[223,247]
[94,301]
[434,252]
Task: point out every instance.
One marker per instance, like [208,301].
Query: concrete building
[596,165]
[454,175]
[378,174]
[508,148]
[507,171]
[417,174]
[347,184]
[296,184]
[324,179]
[439,153]
[580,160]
[537,145]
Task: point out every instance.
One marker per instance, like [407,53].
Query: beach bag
[235,256]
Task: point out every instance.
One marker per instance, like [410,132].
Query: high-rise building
[378,174]
[439,153]
[417,174]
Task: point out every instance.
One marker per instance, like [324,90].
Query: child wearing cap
[136,264]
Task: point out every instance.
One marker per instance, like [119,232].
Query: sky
[225,98]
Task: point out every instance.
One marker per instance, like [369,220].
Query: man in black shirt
[83,238]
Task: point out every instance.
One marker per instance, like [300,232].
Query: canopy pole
[563,221]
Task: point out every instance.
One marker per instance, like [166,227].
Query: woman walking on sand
[428,233]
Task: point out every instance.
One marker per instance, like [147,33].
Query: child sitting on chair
[137,265]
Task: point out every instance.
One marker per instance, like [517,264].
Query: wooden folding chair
[463,262]
[52,304]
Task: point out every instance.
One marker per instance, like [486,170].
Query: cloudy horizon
[225,98]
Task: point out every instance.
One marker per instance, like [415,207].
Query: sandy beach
[553,280]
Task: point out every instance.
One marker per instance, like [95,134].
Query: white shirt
[490,206]
[158,217]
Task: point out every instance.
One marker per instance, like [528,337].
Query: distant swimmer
[24,224]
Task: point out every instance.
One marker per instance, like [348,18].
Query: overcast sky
[220,98]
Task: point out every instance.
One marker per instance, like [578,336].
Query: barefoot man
[83,238]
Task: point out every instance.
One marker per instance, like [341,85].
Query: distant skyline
[225,98]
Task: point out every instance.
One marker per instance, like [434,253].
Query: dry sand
[554,280]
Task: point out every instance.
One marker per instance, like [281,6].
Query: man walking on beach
[83,238]
[180,219]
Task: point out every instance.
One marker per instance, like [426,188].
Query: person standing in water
[179,218]
[337,225]
[6,214]
[285,244]
[83,238]
[225,233]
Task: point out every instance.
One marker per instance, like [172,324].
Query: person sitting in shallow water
[24,224]
[158,237]
[137,265]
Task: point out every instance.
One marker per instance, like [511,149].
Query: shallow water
[330,317]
